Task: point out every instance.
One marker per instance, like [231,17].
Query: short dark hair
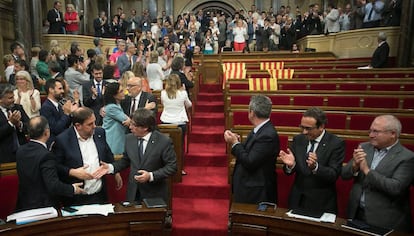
[54,66]
[37,126]
[91,53]
[144,118]
[50,83]
[97,67]
[5,88]
[317,114]
[43,55]
[72,59]
[22,63]
[111,89]
[81,114]
[177,63]
[14,45]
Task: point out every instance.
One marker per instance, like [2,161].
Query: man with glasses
[316,157]
[137,98]
[382,171]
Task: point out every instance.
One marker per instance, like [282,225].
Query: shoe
[183,172]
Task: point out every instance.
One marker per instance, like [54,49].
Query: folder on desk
[154,202]
[365,228]
[28,216]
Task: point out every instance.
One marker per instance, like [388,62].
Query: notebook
[363,227]
[154,202]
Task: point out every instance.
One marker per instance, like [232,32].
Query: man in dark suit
[382,171]
[137,98]
[380,56]
[254,175]
[56,114]
[93,93]
[39,184]
[150,156]
[13,120]
[79,149]
[55,18]
[100,25]
[316,157]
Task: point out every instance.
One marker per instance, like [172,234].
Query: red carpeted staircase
[201,202]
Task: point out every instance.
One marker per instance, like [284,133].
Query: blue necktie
[98,89]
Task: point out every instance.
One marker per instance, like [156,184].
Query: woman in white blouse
[155,75]
[26,95]
[175,101]
[239,32]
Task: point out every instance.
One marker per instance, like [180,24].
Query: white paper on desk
[28,216]
[100,209]
[364,67]
[326,217]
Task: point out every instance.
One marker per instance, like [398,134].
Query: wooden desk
[125,221]
[245,219]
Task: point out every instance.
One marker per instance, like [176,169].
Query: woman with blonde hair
[71,20]
[154,72]
[26,95]
[175,101]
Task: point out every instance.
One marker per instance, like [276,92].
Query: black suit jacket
[8,135]
[127,102]
[380,56]
[316,191]
[39,183]
[58,121]
[95,104]
[56,27]
[68,153]
[254,176]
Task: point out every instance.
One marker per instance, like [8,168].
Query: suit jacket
[56,27]
[159,158]
[68,154]
[58,121]
[100,31]
[254,176]
[316,191]
[8,135]
[380,56]
[39,183]
[95,104]
[387,188]
[124,64]
[127,103]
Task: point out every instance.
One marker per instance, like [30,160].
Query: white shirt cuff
[151,177]
[111,169]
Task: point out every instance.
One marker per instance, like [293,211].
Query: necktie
[378,156]
[132,108]
[312,147]
[370,12]
[98,89]
[140,148]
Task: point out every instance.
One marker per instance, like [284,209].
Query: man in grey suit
[382,170]
[127,59]
[150,156]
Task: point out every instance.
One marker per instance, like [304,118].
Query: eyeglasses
[131,85]
[376,132]
[307,128]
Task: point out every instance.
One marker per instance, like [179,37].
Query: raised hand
[287,158]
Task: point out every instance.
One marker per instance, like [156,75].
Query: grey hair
[261,106]
[392,123]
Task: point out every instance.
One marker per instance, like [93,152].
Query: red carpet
[201,201]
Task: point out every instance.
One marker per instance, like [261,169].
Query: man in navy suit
[137,98]
[93,93]
[254,175]
[56,114]
[13,120]
[380,56]
[39,184]
[382,172]
[55,18]
[127,59]
[150,156]
[79,149]
[316,157]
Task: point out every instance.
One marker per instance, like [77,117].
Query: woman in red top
[71,20]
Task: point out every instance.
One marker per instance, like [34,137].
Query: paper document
[100,209]
[364,67]
[326,217]
[28,216]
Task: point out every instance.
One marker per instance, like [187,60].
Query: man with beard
[57,114]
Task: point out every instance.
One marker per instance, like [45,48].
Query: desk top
[246,216]
[124,220]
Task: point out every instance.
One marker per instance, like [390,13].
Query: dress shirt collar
[56,104]
[260,126]
[147,137]
[79,137]
[381,43]
[319,138]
